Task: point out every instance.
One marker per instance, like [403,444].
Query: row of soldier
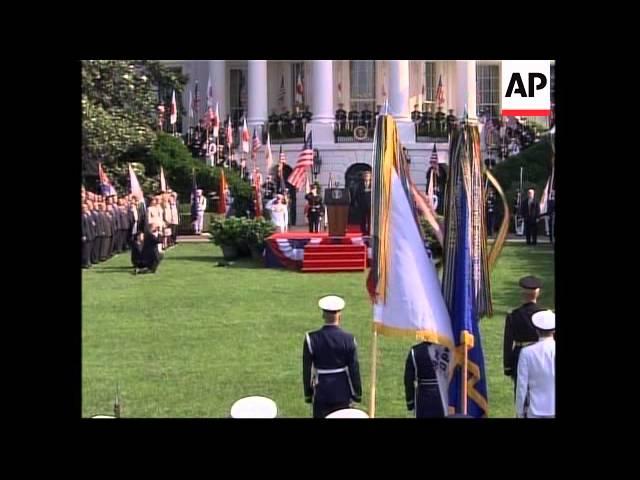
[112,225]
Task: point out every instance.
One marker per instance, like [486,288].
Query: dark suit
[137,259]
[150,254]
[363,202]
[96,247]
[518,331]
[315,211]
[88,234]
[421,384]
[530,212]
[332,353]
[341,118]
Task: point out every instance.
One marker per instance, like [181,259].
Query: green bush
[536,161]
[228,232]
[430,238]
[257,232]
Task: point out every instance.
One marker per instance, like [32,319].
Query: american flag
[283,92]
[440,93]
[210,93]
[305,162]
[229,133]
[196,101]
[245,137]
[299,90]
[105,184]
[340,91]
[255,146]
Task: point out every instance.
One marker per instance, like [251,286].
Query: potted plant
[257,233]
[244,224]
[224,233]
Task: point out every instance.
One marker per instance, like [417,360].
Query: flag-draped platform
[317,252]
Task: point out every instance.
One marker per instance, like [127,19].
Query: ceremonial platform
[318,252]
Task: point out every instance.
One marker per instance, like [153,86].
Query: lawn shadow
[219,261]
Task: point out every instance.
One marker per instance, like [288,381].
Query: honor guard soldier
[440,119]
[314,209]
[273,120]
[306,118]
[88,234]
[296,122]
[285,122]
[366,117]
[354,118]
[269,188]
[491,212]
[330,369]
[518,329]
[341,117]
[421,383]
[426,123]
[416,115]
[536,387]
[452,120]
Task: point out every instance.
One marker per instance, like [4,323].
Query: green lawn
[193,338]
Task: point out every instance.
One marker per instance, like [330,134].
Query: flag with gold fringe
[465,281]
[403,282]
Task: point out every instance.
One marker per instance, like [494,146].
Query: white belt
[324,371]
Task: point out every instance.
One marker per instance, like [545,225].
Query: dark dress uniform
[296,123]
[451,121]
[421,384]
[107,229]
[137,259]
[519,332]
[330,370]
[354,117]
[426,123]
[439,186]
[363,202]
[285,123]
[440,119]
[269,188]
[366,118]
[150,254]
[273,122]
[530,212]
[341,118]
[115,241]
[88,234]
[96,248]
[306,118]
[315,211]
[416,115]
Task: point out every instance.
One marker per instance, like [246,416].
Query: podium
[337,201]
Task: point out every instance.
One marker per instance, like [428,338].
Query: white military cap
[254,407]
[348,413]
[331,303]
[544,320]
[103,416]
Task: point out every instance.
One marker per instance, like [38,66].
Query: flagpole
[374,358]
[465,374]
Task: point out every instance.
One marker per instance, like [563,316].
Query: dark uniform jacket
[421,384]
[518,330]
[330,370]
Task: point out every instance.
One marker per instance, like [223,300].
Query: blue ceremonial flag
[465,282]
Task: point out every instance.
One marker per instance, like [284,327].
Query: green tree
[119,100]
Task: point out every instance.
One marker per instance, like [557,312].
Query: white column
[466,88]
[399,99]
[217,72]
[322,108]
[257,114]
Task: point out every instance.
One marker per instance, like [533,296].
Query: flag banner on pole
[222,203]
[210,92]
[105,184]
[268,156]
[163,182]
[229,133]
[215,122]
[257,190]
[304,164]
[440,93]
[190,104]
[136,190]
[282,93]
[174,109]
[245,137]
[255,145]
[196,102]
[403,282]
[299,90]
[465,282]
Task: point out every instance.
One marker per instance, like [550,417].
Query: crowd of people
[113,224]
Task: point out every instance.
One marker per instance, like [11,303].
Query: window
[238,94]
[363,91]
[430,84]
[298,99]
[488,90]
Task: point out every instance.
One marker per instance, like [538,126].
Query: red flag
[222,203]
